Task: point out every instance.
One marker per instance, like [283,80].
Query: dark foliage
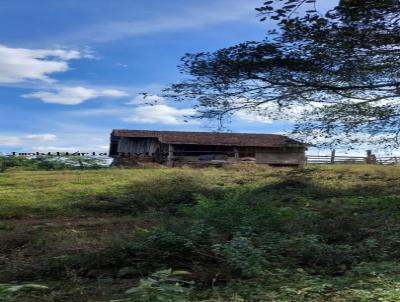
[47,163]
[320,234]
[337,72]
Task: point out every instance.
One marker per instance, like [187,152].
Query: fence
[338,159]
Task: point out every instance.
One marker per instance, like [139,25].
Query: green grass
[325,233]
[54,194]
[65,193]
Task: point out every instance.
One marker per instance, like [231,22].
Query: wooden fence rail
[340,159]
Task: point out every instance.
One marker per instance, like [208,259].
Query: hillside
[327,233]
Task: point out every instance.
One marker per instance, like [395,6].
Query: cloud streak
[161,114]
[19,140]
[74,95]
[188,19]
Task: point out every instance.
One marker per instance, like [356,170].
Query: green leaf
[180,273]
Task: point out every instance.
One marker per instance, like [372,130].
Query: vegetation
[48,162]
[332,66]
[8,290]
[246,233]
[163,286]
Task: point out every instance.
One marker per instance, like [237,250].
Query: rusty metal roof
[212,138]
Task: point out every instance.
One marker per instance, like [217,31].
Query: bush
[9,290]
[242,256]
[161,286]
[314,235]
[7,162]
[48,163]
[249,236]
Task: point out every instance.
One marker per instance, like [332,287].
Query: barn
[175,148]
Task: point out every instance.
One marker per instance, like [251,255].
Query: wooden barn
[177,148]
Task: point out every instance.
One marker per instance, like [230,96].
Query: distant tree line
[50,162]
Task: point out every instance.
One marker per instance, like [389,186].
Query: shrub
[243,257]
[310,252]
[8,290]
[48,162]
[162,286]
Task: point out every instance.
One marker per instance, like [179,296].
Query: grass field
[325,233]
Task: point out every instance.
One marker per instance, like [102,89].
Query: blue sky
[72,70]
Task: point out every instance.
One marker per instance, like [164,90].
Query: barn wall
[197,150]
[151,149]
[287,157]
[139,146]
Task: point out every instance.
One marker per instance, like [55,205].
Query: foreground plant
[8,290]
[161,286]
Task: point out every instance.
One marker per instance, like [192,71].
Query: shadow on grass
[306,222]
[157,194]
[168,194]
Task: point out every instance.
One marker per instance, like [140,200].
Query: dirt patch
[78,221]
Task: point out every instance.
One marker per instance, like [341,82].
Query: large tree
[339,71]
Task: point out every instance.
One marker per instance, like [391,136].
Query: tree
[337,72]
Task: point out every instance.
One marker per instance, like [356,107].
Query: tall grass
[249,233]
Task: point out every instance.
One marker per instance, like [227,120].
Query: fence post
[333,156]
[368,159]
[2,164]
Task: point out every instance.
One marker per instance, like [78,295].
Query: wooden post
[368,159]
[302,161]
[170,158]
[236,152]
[333,156]
[2,164]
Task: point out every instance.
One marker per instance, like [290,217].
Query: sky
[72,70]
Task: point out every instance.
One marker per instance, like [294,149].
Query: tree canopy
[336,73]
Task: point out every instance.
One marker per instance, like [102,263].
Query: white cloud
[86,149]
[10,141]
[111,93]
[272,113]
[161,114]
[23,64]
[74,95]
[145,113]
[56,149]
[253,117]
[187,18]
[145,99]
[19,140]
[317,137]
[90,138]
[41,137]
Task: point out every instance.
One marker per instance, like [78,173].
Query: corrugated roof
[213,138]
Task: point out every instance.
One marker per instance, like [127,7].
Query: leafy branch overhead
[338,71]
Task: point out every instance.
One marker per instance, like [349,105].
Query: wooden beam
[236,153]
[170,158]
